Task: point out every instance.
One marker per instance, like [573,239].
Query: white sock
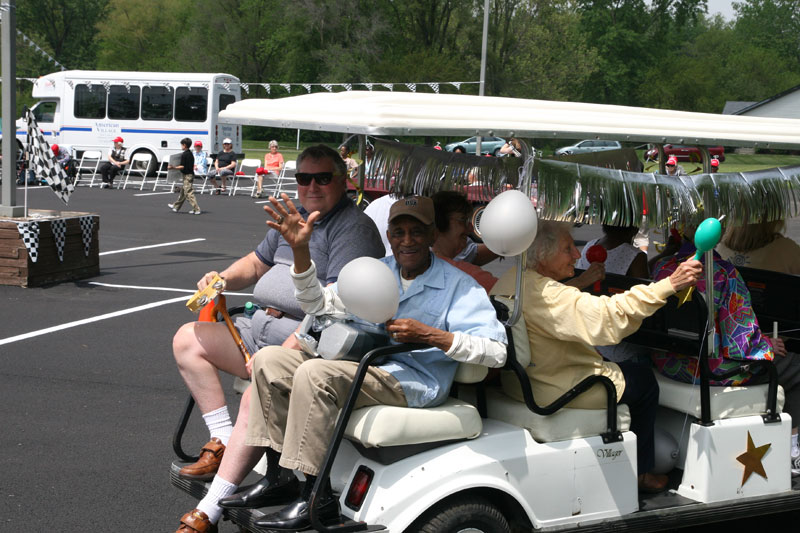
[219,424]
[219,489]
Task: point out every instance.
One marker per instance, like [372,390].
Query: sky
[724,7]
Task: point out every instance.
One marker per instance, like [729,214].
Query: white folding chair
[163,178]
[89,162]
[286,182]
[246,171]
[138,167]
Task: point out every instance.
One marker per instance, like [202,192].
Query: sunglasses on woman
[305,178]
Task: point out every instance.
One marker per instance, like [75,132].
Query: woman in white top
[623,258]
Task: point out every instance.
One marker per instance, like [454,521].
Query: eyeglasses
[322,178]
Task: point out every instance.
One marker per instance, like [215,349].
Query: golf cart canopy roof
[400,114]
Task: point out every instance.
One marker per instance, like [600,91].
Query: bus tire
[471,514]
[152,168]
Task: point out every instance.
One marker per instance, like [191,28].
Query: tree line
[661,53]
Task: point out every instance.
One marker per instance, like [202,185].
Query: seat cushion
[384,425]
[565,424]
[726,402]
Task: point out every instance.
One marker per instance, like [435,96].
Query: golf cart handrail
[411,114]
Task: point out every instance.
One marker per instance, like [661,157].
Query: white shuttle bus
[151,111]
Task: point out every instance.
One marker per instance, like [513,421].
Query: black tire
[152,167]
[365,201]
[471,513]
[496,152]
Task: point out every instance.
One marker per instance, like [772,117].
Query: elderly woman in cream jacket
[564,324]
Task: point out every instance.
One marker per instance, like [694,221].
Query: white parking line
[169,289]
[153,193]
[150,246]
[9,340]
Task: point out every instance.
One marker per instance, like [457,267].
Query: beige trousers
[187,193]
[295,401]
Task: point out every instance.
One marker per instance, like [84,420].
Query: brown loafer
[196,521]
[208,463]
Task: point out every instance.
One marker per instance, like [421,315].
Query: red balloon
[260,170]
[240,173]
[596,254]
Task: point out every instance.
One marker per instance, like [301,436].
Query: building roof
[754,105]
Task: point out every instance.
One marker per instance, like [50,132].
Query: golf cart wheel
[365,201]
[468,515]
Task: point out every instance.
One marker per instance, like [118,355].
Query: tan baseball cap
[419,207]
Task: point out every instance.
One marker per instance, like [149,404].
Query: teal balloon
[707,236]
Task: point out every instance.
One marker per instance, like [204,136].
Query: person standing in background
[186,167]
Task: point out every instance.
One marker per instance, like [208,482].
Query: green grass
[257,149]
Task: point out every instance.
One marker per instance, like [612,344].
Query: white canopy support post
[8,207]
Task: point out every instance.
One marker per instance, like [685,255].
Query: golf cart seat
[726,402]
[566,423]
[387,433]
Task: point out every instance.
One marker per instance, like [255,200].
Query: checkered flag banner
[43,163]
[29,231]
[59,228]
[87,225]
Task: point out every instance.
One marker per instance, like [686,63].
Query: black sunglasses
[322,178]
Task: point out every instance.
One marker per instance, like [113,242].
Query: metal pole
[482,85]
[298,139]
[8,27]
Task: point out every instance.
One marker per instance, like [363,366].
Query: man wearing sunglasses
[341,233]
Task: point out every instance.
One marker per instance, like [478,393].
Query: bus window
[123,102]
[191,104]
[157,103]
[44,112]
[225,100]
[90,101]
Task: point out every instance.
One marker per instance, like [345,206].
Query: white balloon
[508,224]
[368,289]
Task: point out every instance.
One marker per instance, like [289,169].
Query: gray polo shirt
[342,235]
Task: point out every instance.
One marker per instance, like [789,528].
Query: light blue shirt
[200,161]
[448,299]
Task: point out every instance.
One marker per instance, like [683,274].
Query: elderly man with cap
[115,164]
[224,165]
[296,398]
[200,159]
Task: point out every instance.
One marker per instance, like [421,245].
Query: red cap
[198,143]
[672,160]
[715,162]
[118,140]
[54,148]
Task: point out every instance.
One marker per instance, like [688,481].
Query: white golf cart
[485,462]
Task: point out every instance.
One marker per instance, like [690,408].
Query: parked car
[685,153]
[489,145]
[588,146]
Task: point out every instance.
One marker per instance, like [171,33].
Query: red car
[686,153]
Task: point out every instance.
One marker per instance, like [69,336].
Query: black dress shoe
[294,517]
[263,493]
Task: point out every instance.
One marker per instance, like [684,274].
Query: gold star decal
[751,459]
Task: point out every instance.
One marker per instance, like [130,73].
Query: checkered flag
[42,162]
[59,228]
[30,236]
[87,225]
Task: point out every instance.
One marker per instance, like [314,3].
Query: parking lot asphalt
[88,410]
